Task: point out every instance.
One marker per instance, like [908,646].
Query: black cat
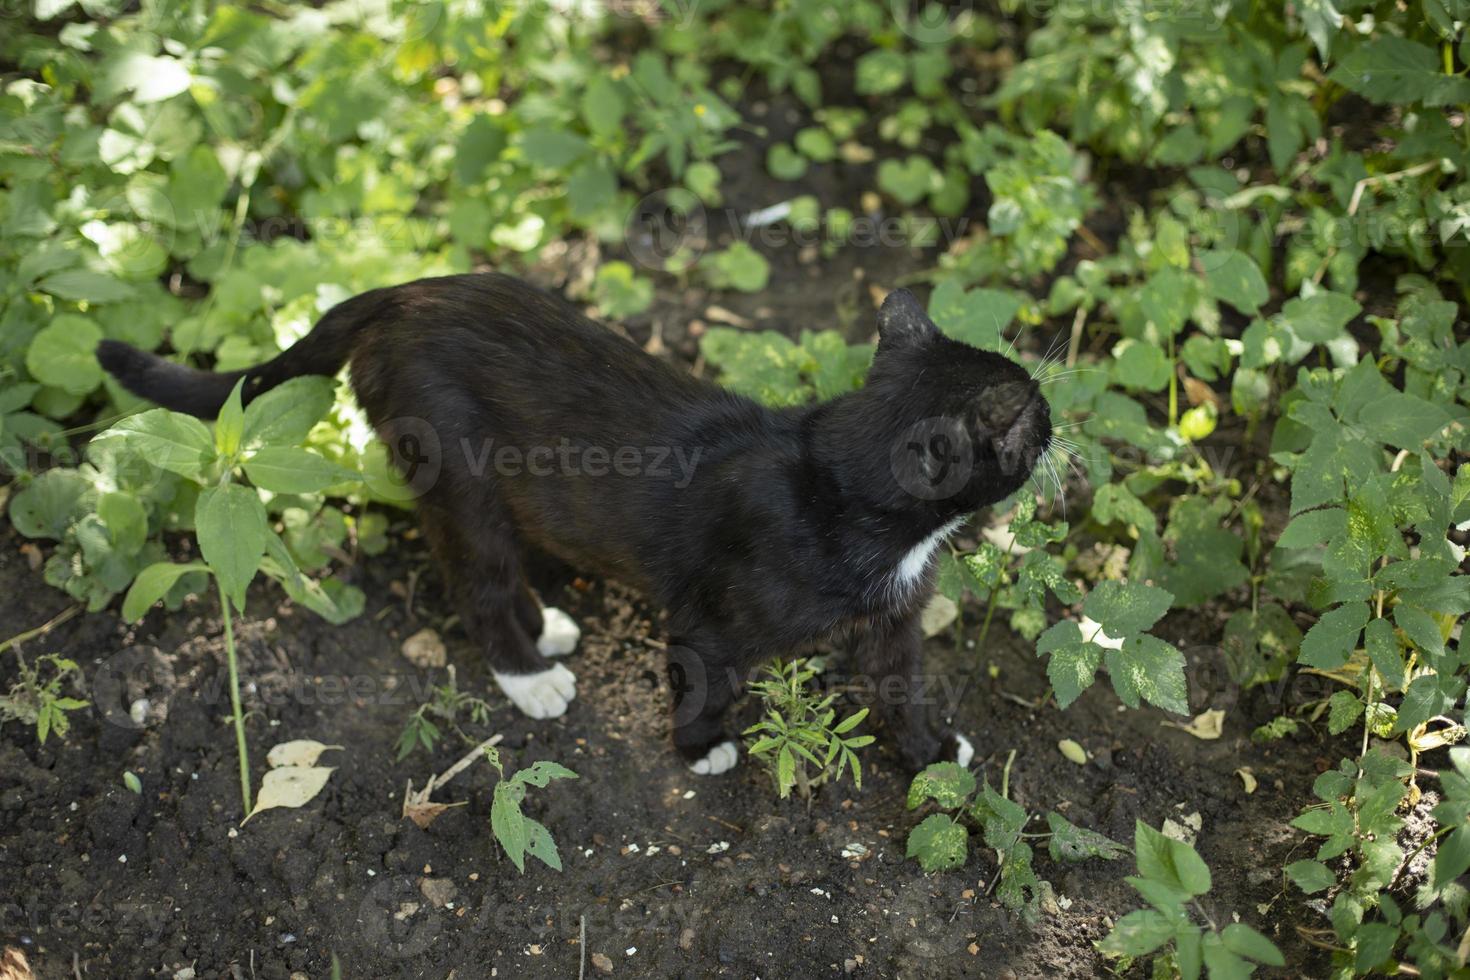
[518,421]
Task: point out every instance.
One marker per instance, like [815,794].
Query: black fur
[787,529]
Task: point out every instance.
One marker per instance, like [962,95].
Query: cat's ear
[902,322]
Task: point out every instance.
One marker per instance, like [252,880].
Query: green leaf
[1146,667]
[1344,708]
[1311,876]
[552,148]
[1320,318]
[539,843]
[169,440]
[603,106]
[1169,862]
[1072,669]
[230,425]
[507,822]
[947,783]
[1138,933]
[1390,69]
[1402,420]
[1383,649]
[50,504]
[907,181]
[977,317]
[287,469]
[1333,639]
[939,843]
[881,71]
[285,414]
[1126,609]
[64,354]
[1233,277]
[230,522]
[1168,298]
[85,286]
[152,584]
[542,772]
[1072,843]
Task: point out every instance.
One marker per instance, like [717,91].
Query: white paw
[559,634]
[540,695]
[721,758]
[965,752]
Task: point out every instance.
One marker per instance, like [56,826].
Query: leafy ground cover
[1227,238]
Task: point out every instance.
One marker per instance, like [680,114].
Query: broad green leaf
[1333,639]
[1311,876]
[978,317]
[1233,277]
[1170,862]
[947,783]
[1146,667]
[287,469]
[169,440]
[1126,608]
[1395,70]
[1242,940]
[939,843]
[1402,420]
[64,354]
[1320,318]
[285,414]
[85,286]
[152,584]
[230,522]
[1072,669]
[1138,933]
[1383,649]
[50,503]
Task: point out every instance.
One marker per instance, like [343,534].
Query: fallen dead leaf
[290,786]
[938,615]
[1208,725]
[1248,778]
[425,649]
[301,752]
[1073,751]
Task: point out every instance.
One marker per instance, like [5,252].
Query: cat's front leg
[891,654]
[704,684]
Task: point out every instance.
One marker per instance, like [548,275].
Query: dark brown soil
[673,875]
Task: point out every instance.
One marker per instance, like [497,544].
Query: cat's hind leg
[474,541]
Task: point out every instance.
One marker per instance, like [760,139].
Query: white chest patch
[911,566]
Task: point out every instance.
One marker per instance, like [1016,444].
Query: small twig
[1076,340]
[462,764]
[1366,182]
[582,942]
[41,630]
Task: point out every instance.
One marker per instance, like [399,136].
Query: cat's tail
[202,393]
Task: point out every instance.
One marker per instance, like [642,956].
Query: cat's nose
[1001,405]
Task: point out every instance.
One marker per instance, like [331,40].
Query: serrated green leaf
[939,843]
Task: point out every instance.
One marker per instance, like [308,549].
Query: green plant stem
[236,714]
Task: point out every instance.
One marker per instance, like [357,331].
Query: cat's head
[963,427]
